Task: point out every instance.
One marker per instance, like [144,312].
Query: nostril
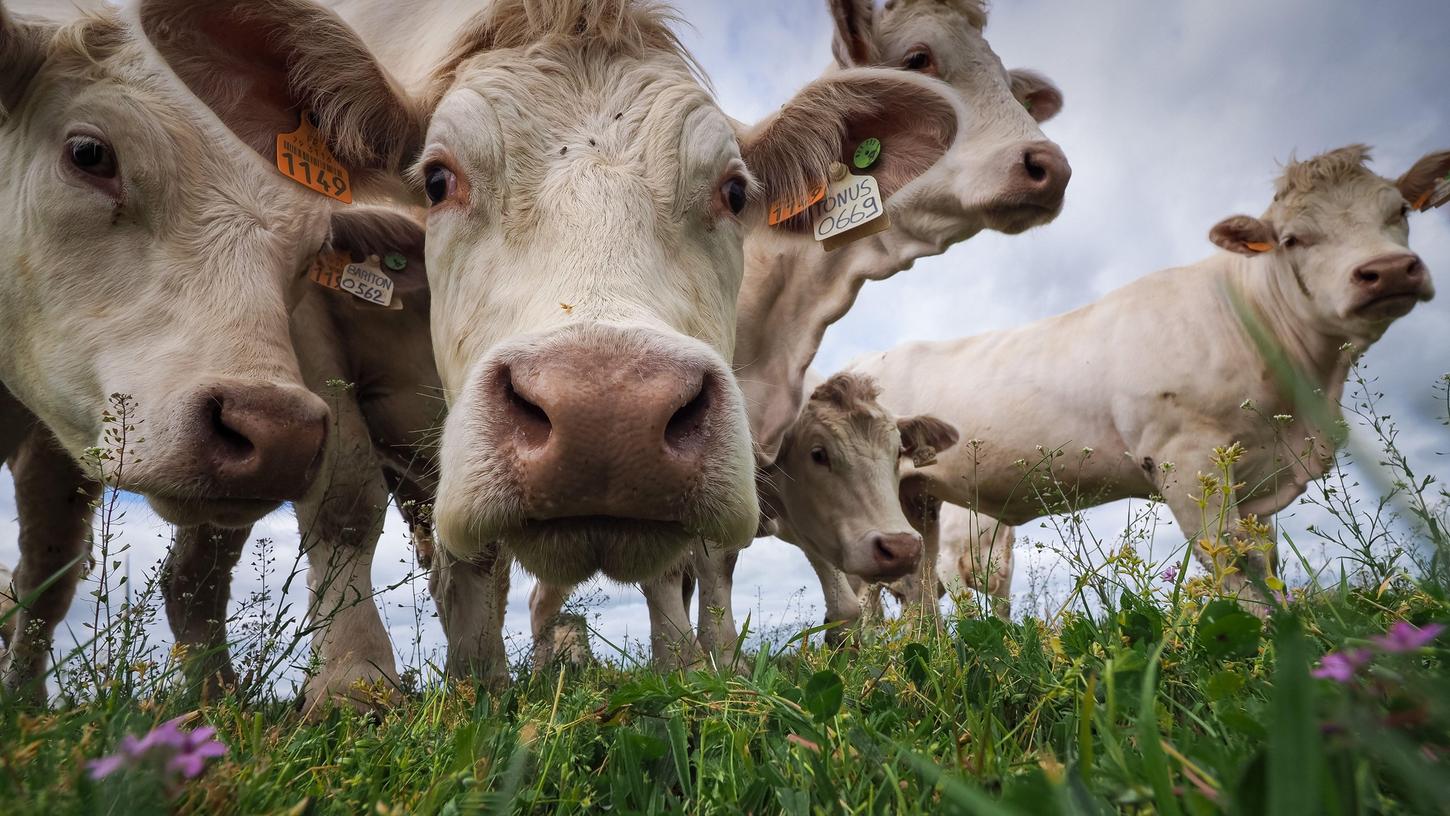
[1366,277]
[883,552]
[1035,170]
[689,419]
[529,420]
[233,443]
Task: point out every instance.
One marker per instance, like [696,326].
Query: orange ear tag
[782,211]
[326,269]
[1434,197]
[1259,246]
[304,157]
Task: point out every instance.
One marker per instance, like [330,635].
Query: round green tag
[867,153]
[396,261]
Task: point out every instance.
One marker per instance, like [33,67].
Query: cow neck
[1267,286]
[793,291]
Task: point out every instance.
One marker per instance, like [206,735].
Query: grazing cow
[981,164]
[975,554]
[157,257]
[1152,378]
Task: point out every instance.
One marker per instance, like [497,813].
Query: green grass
[1180,710]
[1134,695]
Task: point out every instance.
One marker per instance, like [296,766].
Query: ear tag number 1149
[304,157]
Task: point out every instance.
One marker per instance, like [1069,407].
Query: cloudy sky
[1176,115]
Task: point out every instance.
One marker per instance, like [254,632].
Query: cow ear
[791,152]
[1036,92]
[23,48]
[259,65]
[854,43]
[923,437]
[395,238]
[1244,234]
[1420,181]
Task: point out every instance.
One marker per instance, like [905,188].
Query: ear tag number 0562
[304,157]
[851,202]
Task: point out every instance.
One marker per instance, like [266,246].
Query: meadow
[1138,690]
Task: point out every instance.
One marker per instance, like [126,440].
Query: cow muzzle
[1389,286]
[616,448]
[1035,186]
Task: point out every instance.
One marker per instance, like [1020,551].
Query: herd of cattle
[623,296]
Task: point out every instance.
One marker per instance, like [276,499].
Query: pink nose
[1390,275]
[258,441]
[895,554]
[609,423]
[1040,176]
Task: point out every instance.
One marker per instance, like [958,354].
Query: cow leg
[714,568]
[472,597]
[196,583]
[558,637]
[55,500]
[341,520]
[923,511]
[672,640]
[842,604]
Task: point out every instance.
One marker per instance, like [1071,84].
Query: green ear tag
[867,153]
[396,261]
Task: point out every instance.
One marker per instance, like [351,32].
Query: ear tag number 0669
[851,201]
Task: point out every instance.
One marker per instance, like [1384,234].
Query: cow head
[1000,172]
[152,251]
[1334,244]
[836,482]
[585,256]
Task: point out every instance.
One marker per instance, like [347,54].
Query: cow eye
[818,455]
[1404,211]
[919,59]
[439,183]
[733,194]
[91,156]
[1289,241]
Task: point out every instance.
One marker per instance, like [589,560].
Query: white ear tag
[850,204]
[366,281]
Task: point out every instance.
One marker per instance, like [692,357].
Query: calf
[1153,377]
[157,257]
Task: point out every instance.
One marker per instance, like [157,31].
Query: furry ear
[923,437]
[1037,94]
[1419,183]
[1244,234]
[23,48]
[791,152]
[854,43]
[259,65]
[364,231]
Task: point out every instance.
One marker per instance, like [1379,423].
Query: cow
[1139,388]
[833,489]
[995,171]
[585,289]
[982,164]
[156,258]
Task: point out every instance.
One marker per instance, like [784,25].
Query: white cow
[588,206]
[1139,388]
[834,489]
[157,255]
[948,172]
